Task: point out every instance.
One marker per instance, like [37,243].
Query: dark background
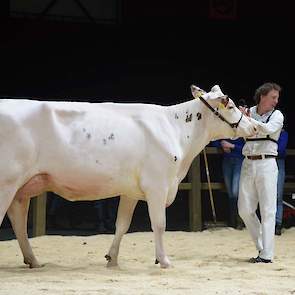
[152,52]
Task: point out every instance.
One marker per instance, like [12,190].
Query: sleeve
[215,143]
[239,144]
[282,142]
[274,124]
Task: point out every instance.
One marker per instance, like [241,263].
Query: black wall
[153,54]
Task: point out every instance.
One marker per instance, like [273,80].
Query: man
[258,181]
[282,146]
[232,160]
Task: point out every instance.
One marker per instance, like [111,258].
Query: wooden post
[39,215]
[195,202]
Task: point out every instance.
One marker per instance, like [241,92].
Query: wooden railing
[194,186]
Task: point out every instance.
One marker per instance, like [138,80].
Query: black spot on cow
[104,141]
[176,116]
[199,116]
[187,136]
[111,137]
[188,118]
[88,135]
[175,158]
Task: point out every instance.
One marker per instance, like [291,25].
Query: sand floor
[210,262]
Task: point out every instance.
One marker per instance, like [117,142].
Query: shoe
[278,230]
[259,260]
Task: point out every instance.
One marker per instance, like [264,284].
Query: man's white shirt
[272,129]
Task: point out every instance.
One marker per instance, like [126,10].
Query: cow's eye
[231,108]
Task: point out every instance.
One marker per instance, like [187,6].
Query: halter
[216,113]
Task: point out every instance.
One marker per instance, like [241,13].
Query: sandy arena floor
[209,262]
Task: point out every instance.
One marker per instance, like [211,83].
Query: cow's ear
[216,88]
[196,91]
[199,94]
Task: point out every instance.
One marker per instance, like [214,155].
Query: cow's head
[232,122]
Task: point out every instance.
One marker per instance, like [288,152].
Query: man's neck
[262,110]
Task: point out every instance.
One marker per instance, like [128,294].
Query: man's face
[270,100]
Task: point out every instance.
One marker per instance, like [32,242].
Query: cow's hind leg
[157,212]
[124,217]
[6,196]
[18,215]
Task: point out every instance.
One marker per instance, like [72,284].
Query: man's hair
[264,89]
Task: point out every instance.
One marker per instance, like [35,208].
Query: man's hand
[245,110]
[226,146]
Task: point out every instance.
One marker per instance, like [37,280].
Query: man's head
[267,96]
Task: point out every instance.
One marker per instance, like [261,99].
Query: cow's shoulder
[65,112]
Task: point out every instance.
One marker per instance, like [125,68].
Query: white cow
[90,151]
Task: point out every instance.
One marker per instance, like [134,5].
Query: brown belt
[260,157]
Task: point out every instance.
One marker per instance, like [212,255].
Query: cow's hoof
[112,263]
[36,265]
[165,263]
[33,264]
[108,257]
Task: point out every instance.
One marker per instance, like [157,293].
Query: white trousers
[258,184]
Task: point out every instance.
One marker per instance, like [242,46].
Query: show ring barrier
[194,186]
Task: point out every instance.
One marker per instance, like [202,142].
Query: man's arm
[273,125]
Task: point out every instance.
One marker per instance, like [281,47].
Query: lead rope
[209,186]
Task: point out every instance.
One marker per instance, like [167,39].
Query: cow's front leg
[18,215]
[157,212]
[124,217]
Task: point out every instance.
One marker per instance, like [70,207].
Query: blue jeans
[231,168]
[281,182]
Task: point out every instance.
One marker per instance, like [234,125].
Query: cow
[90,151]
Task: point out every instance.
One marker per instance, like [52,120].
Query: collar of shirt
[256,116]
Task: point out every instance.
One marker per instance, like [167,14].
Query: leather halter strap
[216,113]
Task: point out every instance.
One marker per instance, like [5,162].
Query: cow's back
[85,148]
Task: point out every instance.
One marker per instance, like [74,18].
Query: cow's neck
[194,123]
